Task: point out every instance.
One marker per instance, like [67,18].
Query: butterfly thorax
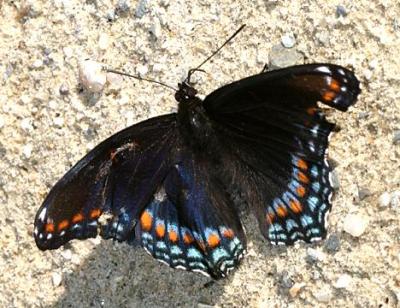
[194,125]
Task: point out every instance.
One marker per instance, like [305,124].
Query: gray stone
[341,11]
[141,8]
[396,137]
[280,57]
[332,244]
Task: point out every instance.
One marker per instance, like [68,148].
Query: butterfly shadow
[118,275]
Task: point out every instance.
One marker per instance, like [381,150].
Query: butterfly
[166,183]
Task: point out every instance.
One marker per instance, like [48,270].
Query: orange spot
[302,164]
[301,191]
[146,221]
[49,228]
[295,206]
[303,178]
[281,211]
[270,218]
[77,218]
[63,224]
[188,239]
[95,213]
[173,236]
[213,240]
[328,96]
[334,85]
[228,233]
[160,230]
[311,110]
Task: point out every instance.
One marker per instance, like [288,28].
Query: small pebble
[384,199]
[315,255]
[355,224]
[37,64]
[395,202]
[332,244]
[367,74]
[288,40]
[343,282]
[67,254]
[27,150]
[122,7]
[280,57]
[396,137]
[58,121]
[324,295]
[114,82]
[155,30]
[1,122]
[64,89]
[285,280]
[295,289]
[103,42]
[142,70]
[92,76]
[363,193]
[26,125]
[56,278]
[335,180]
[110,16]
[341,11]
[141,8]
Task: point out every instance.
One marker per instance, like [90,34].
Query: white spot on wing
[323,69]
[42,214]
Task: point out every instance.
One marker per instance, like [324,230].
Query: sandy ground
[43,133]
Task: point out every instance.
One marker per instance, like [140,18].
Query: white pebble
[58,121]
[68,52]
[103,41]
[37,64]
[142,70]
[288,40]
[92,76]
[1,122]
[67,254]
[158,68]
[323,295]
[26,125]
[315,254]
[367,74]
[343,282]
[114,81]
[355,224]
[56,278]
[384,199]
[395,202]
[27,150]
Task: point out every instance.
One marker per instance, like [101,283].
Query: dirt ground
[47,124]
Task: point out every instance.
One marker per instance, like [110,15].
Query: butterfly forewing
[278,135]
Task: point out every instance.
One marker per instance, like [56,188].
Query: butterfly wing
[190,223]
[118,177]
[279,136]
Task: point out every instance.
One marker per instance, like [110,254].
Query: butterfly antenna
[191,71]
[140,78]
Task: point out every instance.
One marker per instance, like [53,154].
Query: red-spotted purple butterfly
[164,183]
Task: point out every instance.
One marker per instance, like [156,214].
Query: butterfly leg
[265,68]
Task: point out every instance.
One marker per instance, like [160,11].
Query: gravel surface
[47,123]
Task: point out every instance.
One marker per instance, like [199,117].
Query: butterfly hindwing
[118,177]
[279,137]
[189,224]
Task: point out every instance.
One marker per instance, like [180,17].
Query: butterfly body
[166,183]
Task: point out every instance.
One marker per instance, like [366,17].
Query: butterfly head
[186,93]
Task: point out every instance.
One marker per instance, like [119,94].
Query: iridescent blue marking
[172,227]
[326,190]
[312,203]
[291,224]
[219,253]
[193,265]
[278,228]
[175,250]
[194,254]
[321,212]
[314,171]
[316,186]
[296,235]
[281,236]
[306,220]
[147,236]
[161,245]
[313,231]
